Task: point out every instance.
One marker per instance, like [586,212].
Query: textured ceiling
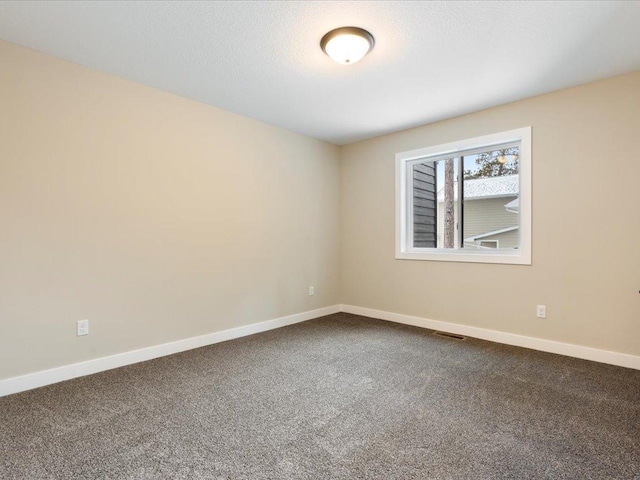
[432,60]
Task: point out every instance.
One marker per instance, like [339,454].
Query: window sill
[519,258]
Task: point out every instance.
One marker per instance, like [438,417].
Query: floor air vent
[450,335]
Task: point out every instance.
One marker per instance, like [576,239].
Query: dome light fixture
[347,45]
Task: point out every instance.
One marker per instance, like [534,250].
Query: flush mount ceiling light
[347,45]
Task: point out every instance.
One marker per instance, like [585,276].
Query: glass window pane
[424,205]
[447,185]
[435,204]
[491,216]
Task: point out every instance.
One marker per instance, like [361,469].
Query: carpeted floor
[337,397]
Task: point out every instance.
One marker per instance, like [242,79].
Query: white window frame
[404,245]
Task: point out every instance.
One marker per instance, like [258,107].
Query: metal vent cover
[450,335]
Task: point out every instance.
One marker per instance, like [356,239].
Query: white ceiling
[432,60]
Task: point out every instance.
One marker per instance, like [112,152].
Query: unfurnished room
[319,240]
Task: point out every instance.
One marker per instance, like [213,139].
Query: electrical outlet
[541,311]
[83,327]
[312,291]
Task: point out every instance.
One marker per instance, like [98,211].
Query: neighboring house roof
[491,187]
[489,234]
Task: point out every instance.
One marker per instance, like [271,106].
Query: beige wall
[158,218]
[586,255]
[155,217]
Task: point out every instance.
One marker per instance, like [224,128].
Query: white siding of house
[506,240]
[483,216]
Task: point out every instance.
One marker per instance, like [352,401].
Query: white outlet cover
[83,328]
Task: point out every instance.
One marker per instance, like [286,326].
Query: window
[467,201]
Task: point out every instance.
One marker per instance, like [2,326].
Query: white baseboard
[67,372]
[568,349]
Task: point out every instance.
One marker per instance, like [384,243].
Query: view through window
[468,201]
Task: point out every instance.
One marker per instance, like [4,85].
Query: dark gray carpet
[337,397]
